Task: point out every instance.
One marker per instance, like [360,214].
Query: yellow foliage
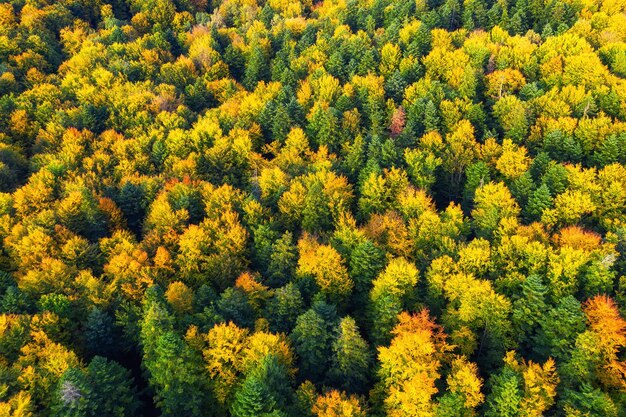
[225,344]
[513,162]
[606,322]
[180,297]
[475,257]
[257,293]
[461,148]
[504,81]
[569,208]
[409,366]
[390,58]
[390,231]
[399,277]
[261,344]
[409,30]
[540,383]
[464,380]
[337,404]
[326,88]
[272,181]
[326,266]
[577,238]
[18,405]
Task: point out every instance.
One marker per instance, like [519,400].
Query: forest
[313,208]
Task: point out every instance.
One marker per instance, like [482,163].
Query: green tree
[539,201]
[312,341]
[350,368]
[283,308]
[506,395]
[529,311]
[100,334]
[105,388]
[257,67]
[174,371]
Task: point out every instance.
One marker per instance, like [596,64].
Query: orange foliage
[605,320]
[577,238]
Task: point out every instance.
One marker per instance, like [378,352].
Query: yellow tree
[337,404]
[464,390]
[326,266]
[409,366]
[389,295]
[493,203]
[539,381]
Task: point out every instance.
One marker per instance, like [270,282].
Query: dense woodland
[347,208]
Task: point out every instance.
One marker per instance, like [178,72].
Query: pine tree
[283,260]
[366,262]
[315,215]
[112,389]
[312,338]
[477,175]
[100,333]
[252,400]
[390,293]
[559,329]
[529,310]
[539,201]
[283,308]
[174,371]
[256,69]
[351,358]
[506,395]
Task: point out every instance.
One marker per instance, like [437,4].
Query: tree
[283,308]
[505,397]
[312,340]
[222,356]
[104,388]
[422,166]
[256,68]
[326,266]
[522,389]
[323,127]
[539,201]
[511,115]
[390,294]
[173,369]
[529,311]
[351,357]
[253,400]
[338,404]
[100,333]
[72,398]
[213,251]
[595,356]
[409,367]
[366,261]
[559,329]
[464,390]
[492,204]
[180,297]
[234,306]
[266,391]
[460,151]
[477,175]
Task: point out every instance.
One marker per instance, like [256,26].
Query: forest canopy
[298,208]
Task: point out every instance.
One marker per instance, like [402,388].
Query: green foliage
[103,388]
